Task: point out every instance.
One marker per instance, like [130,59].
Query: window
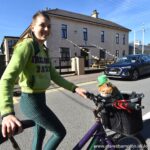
[124,39]
[102,54]
[123,53]
[145,58]
[117,53]
[85,36]
[117,38]
[102,36]
[65,54]
[10,43]
[64,31]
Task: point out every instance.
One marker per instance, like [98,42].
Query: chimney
[95,14]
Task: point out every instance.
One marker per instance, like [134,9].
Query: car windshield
[127,60]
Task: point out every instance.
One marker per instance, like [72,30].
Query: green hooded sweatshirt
[35,74]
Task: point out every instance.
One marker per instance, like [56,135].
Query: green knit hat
[102,79]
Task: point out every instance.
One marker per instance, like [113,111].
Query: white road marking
[146,116]
[80,84]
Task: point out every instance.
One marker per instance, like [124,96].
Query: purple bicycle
[125,120]
[122,117]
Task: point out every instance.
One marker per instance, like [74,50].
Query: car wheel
[135,75]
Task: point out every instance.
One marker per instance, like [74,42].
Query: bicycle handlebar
[95,98]
[25,124]
[119,104]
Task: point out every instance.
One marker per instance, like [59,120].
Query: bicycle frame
[100,134]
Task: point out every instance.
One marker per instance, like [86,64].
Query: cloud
[130,13]
[120,7]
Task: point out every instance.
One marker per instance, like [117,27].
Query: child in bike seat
[107,90]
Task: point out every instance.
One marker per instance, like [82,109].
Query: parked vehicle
[129,67]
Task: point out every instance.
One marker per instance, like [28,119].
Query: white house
[74,34]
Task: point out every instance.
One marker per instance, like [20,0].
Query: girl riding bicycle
[30,61]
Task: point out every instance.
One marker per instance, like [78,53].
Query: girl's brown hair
[29,33]
[40,13]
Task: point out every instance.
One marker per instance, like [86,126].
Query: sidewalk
[76,79]
[83,78]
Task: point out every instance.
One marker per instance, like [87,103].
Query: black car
[129,67]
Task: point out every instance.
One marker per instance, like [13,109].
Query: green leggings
[34,107]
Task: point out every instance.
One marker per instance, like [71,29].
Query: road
[76,115]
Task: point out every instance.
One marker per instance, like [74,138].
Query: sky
[16,15]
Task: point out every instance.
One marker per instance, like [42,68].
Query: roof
[12,37]
[89,19]
[5,37]
[83,18]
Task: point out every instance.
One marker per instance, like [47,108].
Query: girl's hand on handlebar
[81,92]
[9,124]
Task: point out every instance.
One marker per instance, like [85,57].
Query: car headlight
[126,67]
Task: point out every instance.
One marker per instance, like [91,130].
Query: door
[145,60]
[85,55]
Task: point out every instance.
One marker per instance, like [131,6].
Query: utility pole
[134,42]
[143,30]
